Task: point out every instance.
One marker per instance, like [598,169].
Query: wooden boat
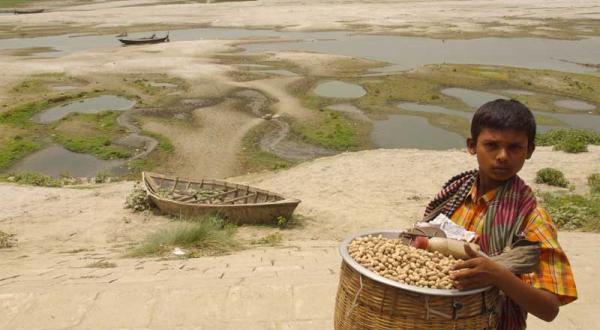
[238,203]
[28,11]
[146,40]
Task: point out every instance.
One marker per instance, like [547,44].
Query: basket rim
[393,233]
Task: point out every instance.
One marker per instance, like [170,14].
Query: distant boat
[145,40]
[240,204]
[28,11]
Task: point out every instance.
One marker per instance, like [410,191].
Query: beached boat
[238,203]
[145,40]
[28,11]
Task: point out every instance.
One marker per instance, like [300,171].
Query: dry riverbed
[213,114]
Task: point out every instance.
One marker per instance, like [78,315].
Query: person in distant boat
[498,206]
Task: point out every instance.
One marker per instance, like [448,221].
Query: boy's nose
[502,155]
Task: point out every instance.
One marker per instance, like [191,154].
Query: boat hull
[255,206]
[143,41]
[237,214]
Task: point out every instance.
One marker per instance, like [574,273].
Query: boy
[497,205]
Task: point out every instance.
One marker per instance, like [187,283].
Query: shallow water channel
[475,99]
[339,89]
[90,105]
[402,52]
[56,160]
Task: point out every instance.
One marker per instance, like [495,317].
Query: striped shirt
[554,273]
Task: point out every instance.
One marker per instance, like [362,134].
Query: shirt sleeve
[554,273]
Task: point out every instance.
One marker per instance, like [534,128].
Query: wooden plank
[175,185]
[187,199]
[153,184]
[209,199]
[236,199]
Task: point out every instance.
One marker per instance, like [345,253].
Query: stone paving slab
[264,288]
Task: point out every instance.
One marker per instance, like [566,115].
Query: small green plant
[7,240]
[568,140]
[594,183]
[552,177]
[137,199]
[199,236]
[32,178]
[101,264]
[269,240]
[282,221]
[102,177]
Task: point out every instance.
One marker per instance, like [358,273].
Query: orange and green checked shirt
[554,274]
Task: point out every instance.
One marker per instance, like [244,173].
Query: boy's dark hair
[504,114]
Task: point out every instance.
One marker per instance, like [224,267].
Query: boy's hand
[476,272]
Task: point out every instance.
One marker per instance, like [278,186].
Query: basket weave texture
[364,303]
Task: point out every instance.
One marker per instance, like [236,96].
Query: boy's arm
[480,271]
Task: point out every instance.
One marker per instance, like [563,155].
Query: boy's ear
[530,150]
[471,144]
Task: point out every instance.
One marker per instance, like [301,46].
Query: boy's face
[500,153]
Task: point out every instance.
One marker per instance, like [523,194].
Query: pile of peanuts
[396,261]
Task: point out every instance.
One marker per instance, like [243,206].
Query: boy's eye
[490,145]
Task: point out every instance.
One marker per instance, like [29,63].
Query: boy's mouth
[501,169]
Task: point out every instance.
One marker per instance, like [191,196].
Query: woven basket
[366,300]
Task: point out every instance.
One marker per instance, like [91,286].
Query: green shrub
[572,211]
[568,140]
[594,183]
[552,177]
[137,199]
[572,146]
[102,177]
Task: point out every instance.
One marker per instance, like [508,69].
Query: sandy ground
[422,17]
[62,231]
[209,146]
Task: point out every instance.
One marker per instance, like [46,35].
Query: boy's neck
[485,185]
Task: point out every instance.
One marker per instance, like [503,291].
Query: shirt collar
[485,198]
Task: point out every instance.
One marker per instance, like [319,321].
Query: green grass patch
[255,159]
[99,146]
[101,264]
[568,140]
[97,139]
[14,149]
[12,3]
[552,177]
[333,131]
[573,211]
[163,142]
[20,116]
[203,236]
[31,178]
